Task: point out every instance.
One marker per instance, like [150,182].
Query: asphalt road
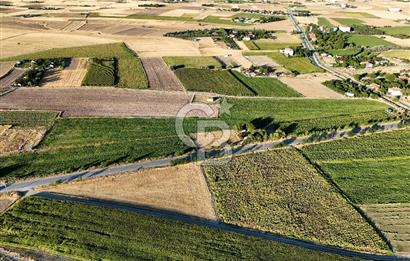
[29,185]
[217,225]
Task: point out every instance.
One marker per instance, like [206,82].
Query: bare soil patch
[215,138]
[160,77]
[72,76]
[5,67]
[310,85]
[6,200]
[104,101]
[261,60]
[15,139]
[394,221]
[180,188]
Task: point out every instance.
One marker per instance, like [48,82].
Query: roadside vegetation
[280,192]
[198,62]
[370,169]
[130,71]
[95,233]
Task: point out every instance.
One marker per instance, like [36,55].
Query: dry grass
[7,200]
[16,139]
[211,139]
[180,188]
[394,221]
[5,67]
[310,85]
[72,76]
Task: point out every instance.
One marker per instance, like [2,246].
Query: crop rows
[280,192]
[101,72]
[95,233]
[27,118]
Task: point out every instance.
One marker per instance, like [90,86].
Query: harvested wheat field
[394,221]
[15,139]
[180,188]
[211,139]
[103,101]
[160,77]
[310,85]
[72,76]
[163,46]
[5,68]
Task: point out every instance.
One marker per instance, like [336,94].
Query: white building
[288,52]
[394,9]
[394,92]
[345,29]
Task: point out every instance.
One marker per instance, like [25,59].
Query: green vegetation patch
[266,86]
[344,52]
[324,22]
[299,65]
[272,45]
[369,41]
[360,14]
[280,192]
[27,118]
[304,116]
[101,72]
[349,21]
[397,31]
[130,71]
[219,81]
[199,62]
[369,169]
[96,233]
[160,17]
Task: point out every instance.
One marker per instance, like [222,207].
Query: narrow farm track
[216,225]
[10,78]
[160,77]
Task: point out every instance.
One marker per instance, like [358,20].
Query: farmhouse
[374,86]
[394,92]
[288,52]
[345,29]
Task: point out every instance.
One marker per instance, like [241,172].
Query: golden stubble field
[181,188]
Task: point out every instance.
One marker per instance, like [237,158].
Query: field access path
[215,225]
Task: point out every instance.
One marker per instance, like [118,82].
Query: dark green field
[280,192]
[266,86]
[370,169]
[95,233]
[27,118]
[218,81]
[301,116]
[101,72]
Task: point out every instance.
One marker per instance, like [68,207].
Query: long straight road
[29,185]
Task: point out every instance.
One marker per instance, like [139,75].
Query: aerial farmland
[204,130]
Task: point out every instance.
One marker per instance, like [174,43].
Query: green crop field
[266,86]
[268,45]
[360,14]
[301,116]
[369,41]
[300,65]
[219,81]
[324,22]
[401,54]
[130,71]
[199,62]
[398,30]
[95,233]
[280,192]
[27,118]
[349,21]
[79,143]
[369,169]
[342,52]
[101,72]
